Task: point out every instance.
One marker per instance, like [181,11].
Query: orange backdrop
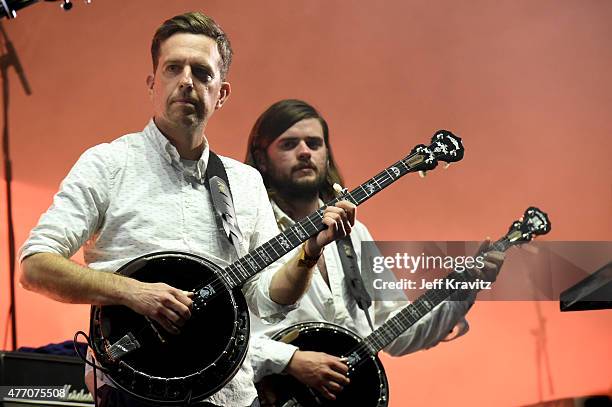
[526,84]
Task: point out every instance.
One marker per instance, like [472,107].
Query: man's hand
[291,281]
[63,280]
[493,261]
[324,373]
[339,220]
[168,306]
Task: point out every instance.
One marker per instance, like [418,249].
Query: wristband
[304,260]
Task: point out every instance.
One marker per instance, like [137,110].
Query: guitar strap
[357,289]
[217,183]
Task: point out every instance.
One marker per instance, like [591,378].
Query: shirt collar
[169,152]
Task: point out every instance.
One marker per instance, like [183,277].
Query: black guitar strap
[217,183]
[357,289]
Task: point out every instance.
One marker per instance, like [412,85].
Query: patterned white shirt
[134,196]
[335,304]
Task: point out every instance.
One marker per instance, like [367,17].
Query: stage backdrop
[526,84]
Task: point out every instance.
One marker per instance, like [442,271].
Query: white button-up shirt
[335,304]
[134,196]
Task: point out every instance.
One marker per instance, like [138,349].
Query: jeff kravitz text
[436,284]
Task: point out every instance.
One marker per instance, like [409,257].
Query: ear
[150,82]
[224,93]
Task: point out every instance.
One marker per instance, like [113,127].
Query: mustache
[302,166]
[185,99]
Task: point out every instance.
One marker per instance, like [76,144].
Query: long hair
[275,121]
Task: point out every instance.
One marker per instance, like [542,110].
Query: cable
[93,365]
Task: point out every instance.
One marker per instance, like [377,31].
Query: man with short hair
[145,192]
[289,145]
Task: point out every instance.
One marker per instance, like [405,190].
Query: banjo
[143,360]
[368,386]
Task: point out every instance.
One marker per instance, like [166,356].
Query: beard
[290,188]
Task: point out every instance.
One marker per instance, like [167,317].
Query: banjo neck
[444,147]
[534,222]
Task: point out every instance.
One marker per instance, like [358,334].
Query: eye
[314,144]
[288,144]
[173,68]
[203,74]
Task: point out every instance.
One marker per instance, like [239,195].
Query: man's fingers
[350,210]
[174,310]
[326,393]
[495,257]
[339,366]
[179,302]
[183,296]
[333,387]
[337,224]
[492,264]
[168,306]
[341,225]
[343,212]
[337,377]
[173,317]
[181,310]
[331,223]
[167,325]
[484,246]
[339,219]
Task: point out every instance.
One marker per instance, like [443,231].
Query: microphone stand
[7,60]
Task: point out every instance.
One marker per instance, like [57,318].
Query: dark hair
[193,23]
[275,121]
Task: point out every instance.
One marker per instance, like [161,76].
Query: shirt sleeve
[78,207]
[269,356]
[257,288]
[434,327]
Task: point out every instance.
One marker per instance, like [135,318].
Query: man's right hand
[63,280]
[168,306]
[324,373]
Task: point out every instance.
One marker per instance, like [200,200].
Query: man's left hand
[493,261]
[339,220]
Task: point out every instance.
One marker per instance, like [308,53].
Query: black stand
[594,292]
[6,61]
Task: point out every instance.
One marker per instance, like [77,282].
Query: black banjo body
[181,368]
[368,386]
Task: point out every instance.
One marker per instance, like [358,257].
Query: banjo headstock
[425,156]
[533,223]
[445,146]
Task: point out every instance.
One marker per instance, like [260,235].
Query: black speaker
[21,369]
[594,292]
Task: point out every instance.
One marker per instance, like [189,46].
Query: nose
[186,80]
[303,151]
